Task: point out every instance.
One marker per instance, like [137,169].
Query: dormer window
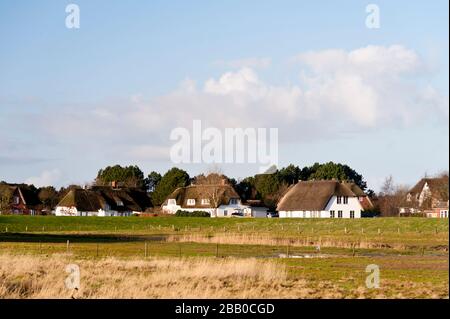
[205,201]
[233,201]
[16,200]
[191,202]
[172,201]
[345,199]
[339,200]
[408,198]
[119,203]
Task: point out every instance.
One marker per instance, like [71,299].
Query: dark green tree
[290,174]
[153,180]
[171,180]
[130,176]
[338,171]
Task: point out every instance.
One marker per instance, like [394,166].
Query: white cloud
[337,92]
[47,177]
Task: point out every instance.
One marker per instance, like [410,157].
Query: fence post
[96,253]
[6,229]
[217,250]
[398,230]
[145,250]
[179,250]
[26,228]
[362,230]
[345,230]
[40,247]
[67,246]
[379,231]
[287,251]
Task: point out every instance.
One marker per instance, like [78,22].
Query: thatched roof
[219,194]
[438,187]
[100,197]
[313,195]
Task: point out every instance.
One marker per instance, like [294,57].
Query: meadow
[229,258]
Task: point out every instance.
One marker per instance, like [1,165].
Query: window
[339,213]
[444,213]
[352,214]
[205,201]
[339,199]
[345,199]
[332,215]
[172,202]
[225,213]
[119,202]
[16,200]
[191,202]
[233,201]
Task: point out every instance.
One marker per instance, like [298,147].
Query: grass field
[320,258]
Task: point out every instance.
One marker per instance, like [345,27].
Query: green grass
[419,268]
[131,224]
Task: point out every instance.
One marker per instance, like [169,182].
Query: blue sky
[75,100]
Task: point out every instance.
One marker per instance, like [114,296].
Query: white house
[219,200]
[322,199]
[102,201]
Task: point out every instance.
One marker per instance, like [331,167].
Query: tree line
[268,188]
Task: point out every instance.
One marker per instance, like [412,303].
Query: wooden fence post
[67,246]
[145,250]
[97,251]
[217,250]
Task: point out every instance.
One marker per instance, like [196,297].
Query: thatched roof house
[324,198]
[103,201]
[201,196]
[216,199]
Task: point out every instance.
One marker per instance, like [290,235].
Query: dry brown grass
[43,277]
[31,276]
[258,239]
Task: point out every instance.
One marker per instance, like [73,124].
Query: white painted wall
[72,211]
[352,205]
[221,211]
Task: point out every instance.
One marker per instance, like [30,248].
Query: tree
[5,197]
[130,176]
[48,196]
[391,197]
[171,180]
[339,171]
[290,174]
[152,180]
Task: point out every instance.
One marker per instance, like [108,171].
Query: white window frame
[340,214]
[190,202]
[332,214]
[205,201]
[345,201]
[352,214]
[338,199]
[171,201]
[233,201]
